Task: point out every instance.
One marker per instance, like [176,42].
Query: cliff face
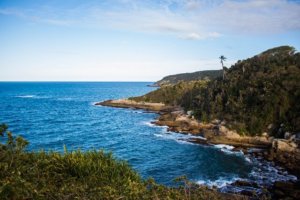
[259,94]
[194,76]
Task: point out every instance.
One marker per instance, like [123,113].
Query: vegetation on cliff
[259,94]
[171,94]
[80,175]
[194,76]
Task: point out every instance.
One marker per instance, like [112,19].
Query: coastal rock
[265,134]
[216,121]
[223,130]
[245,183]
[286,190]
[283,152]
[183,118]
[228,133]
[270,126]
[293,137]
[287,135]
[270,139]
[284,145]
[287,154]
[223,122]
[126,103]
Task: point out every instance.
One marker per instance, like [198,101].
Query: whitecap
[26,96]
[32,96]
[190,136]
[224,146]
[248,159]
[147,123]
[93,103]
[228,149]
[138,112]
[178,137]
[219,183]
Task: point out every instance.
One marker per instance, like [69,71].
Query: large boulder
[284,145]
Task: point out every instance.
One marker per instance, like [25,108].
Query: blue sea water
[53,114]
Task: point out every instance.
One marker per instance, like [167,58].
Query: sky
[137,40]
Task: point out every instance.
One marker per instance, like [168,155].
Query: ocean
[53,114]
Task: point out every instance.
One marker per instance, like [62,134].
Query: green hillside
[258,94]
[171,94]
[194,76]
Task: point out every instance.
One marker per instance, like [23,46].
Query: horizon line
[93,81]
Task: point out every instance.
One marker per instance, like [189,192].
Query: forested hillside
[259,94]
[194,76]
[172,94]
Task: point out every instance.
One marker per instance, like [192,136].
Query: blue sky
[136,40]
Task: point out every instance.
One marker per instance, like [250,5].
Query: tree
[222,59]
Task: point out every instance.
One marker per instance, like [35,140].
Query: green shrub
[79,175]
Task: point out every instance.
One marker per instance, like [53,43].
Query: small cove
[53,114]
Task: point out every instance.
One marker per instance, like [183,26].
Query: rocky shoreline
[283,152]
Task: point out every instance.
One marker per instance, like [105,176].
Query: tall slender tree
[222,59]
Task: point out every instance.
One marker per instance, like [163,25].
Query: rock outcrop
[214,132]
[285,152]
[126,103]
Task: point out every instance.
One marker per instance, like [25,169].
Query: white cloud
[107,70]
[186,19]
[197,36]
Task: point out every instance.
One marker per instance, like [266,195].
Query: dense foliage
[256,95]
[194,76]
[172,94]
[79,175]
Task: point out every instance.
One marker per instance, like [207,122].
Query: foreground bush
[80,175]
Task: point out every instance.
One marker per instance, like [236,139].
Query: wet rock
[245,183]
[240,149]
[198,141]
[270,139]
[293,137]
[248,193]
[195,131]
[287,135]
[253,150]
[283,185]
[286,190]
